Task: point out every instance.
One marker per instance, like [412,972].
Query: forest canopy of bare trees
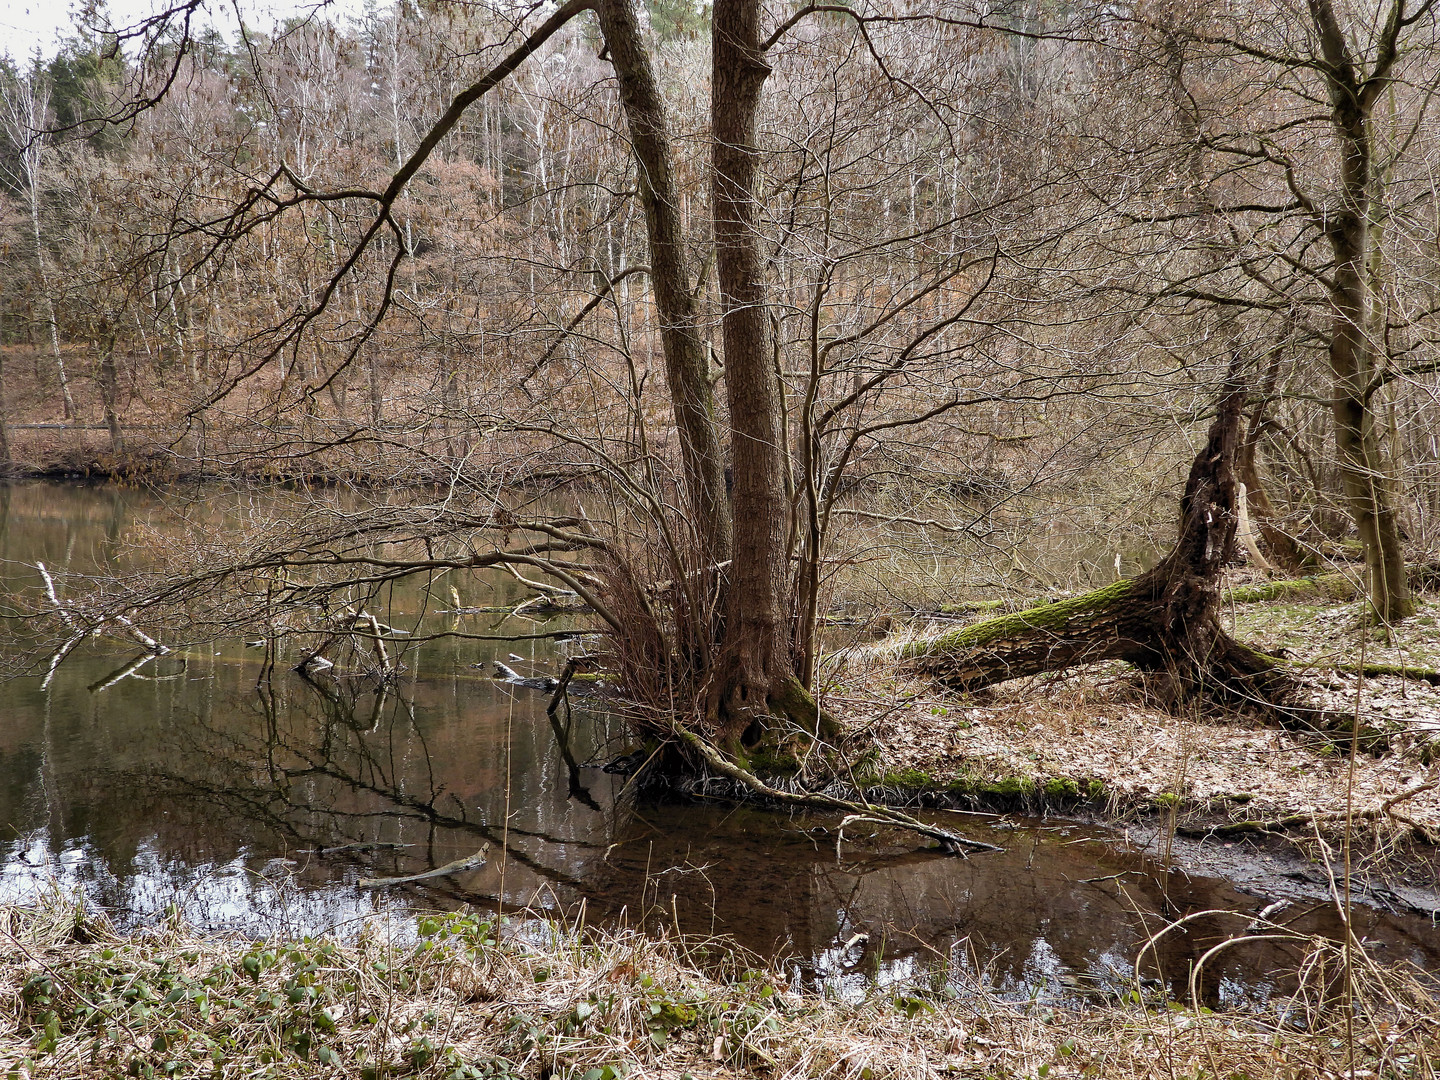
[807,298]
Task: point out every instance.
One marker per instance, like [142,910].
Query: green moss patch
[1041,617]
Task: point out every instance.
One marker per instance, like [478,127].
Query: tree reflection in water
[345,782]
[256,806]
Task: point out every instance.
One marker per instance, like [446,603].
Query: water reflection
[257,803]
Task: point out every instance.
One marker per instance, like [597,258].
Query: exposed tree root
[1165,620]
[854,811]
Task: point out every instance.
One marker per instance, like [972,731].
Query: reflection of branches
[562,734]
[287,804]
[326,765]
[131,670]
[284,584]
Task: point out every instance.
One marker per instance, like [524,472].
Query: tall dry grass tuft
[664,598]
[665,656]
[466,997]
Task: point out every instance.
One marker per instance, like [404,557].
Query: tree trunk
[25,118]
[110,392]
[760,673]
[4,422]
[67,400]
[1283,548]
[686,357]
[1364,469]
[1164,620]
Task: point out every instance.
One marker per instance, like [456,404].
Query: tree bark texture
[685,352]
[1365,471]
[110,393]
[4,421]
[757,629]
[1164,620]
[1283,548]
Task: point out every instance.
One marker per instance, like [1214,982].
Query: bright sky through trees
[28,24]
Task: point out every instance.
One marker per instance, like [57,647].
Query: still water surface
[256,804]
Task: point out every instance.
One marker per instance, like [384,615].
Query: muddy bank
[1290,858]
[1221,790]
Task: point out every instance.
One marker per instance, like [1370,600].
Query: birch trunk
[25,108]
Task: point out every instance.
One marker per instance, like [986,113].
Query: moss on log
[989,632]
[1164,620]
[1125,620]
[1319,586]
[1403,671]
[1424,577]
[973,607]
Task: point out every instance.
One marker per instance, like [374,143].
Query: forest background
[960,281]
[731,323]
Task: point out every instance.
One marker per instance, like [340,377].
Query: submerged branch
[951,843]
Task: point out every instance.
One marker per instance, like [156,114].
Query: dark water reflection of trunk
[256,804]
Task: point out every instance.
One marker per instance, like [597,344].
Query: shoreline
[1093,747]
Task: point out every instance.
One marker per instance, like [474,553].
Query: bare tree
[25,116]
[893,237]
[1305,210]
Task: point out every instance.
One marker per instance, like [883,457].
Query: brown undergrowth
[470,999]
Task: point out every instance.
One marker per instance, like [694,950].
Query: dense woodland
[795,293]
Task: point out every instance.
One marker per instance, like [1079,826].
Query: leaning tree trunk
[1164,620]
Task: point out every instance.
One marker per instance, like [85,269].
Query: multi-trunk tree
[723,635]
[932,231]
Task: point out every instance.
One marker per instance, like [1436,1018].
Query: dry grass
[542,999]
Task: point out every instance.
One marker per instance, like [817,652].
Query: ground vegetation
[80,999]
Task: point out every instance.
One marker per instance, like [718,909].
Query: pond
[255,804]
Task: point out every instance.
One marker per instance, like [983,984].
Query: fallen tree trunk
[1423,577]
[1164,620]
